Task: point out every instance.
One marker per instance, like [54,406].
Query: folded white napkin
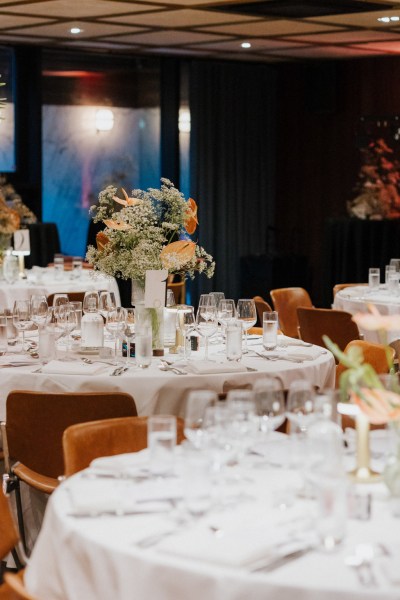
[72,368]
[240,545]
[16,360]
[208,367]
[133,463]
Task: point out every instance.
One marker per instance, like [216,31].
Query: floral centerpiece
[148,231]
[378,401]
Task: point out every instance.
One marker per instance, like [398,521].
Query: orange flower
[101,241]
[374,321]
[176,255]
[379,406]
[117,225]
[191,221]
[128,201]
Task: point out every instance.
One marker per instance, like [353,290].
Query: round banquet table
[356,299]
[81,553]
[156,391]
[47,284]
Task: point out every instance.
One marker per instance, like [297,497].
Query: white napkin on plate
[240,545]
[72,368]
[208,367]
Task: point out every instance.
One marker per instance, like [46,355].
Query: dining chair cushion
[286,302]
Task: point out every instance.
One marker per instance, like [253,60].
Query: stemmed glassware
[218,296]
[185,322]
[247,314]
[206,323]
[300,404]
[67,320]
[197,402]
[270,403]
[40,314]
[88,299]
[106,303]
[22,318]
[115,325]
[226,311]
[59,300]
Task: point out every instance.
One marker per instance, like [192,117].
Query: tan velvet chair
[262,306]
[32,433]
[286,302]
[73,297]
[374,354]
[179,290]
[342,286]
[336,324]
[84,442]
[13,588]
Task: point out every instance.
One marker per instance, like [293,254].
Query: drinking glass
[106,303]
[207,323]
[247,313]
[196,404]
[76,267]
[161,441]
[244,421]
[300,404]
[88,300]
[196,481]
[185,322]
[396,263]
[10,268]
[393,283]
[225,312]
[207,300]
[3,336]
[129,331]
[374,279]
[270,330]
[270,403]
[143,347]
[58,266]
[115,324]
[77,306]
[218,296]
[389,269]
[39,310]
[67,320]
[22,317]
[59,300]
[234,333]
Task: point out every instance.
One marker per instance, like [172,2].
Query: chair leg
[20,515]
[17,559]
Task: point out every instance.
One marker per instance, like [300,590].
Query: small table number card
[22,244]
[155,287]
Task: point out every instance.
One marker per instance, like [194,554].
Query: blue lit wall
[79,161]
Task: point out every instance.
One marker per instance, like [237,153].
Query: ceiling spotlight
[384,19]
[395,18]
[75,30]
[246,45]
[104,119]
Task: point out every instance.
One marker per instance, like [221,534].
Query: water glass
[196,479]
[395,262]
[47,342]
[58,266]
[374,279]
[247,313]
[196,405]
[270,403]
[143,347]
[270,330]
[161,441]
[389,269]
[77,307]
[300,404]
[331,496]
[3,336]
[234,332]
[76,267]
[393,282]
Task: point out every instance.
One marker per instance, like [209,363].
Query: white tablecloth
[22,290]
[157,391]
[96,558]
[355,299]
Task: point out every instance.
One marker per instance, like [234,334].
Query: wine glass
[226,312]
[206,323]
[90,299]
[247,314]
[59,300]
[244,422]
[185,322]
[218,296]
[300,404]
[22,319]
[106,303]
[270,403]
[197,402]
[207,300]
[67,320]
[129,331]
[115,324]
[39,310]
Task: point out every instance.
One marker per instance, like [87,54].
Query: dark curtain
[232,165]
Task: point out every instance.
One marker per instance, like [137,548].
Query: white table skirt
[156,391]
[22,290]
[96,558]
[356,299]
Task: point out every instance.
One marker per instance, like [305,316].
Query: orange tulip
[128,201]
[101,240]
[176,255]
[379,406]
[191,221]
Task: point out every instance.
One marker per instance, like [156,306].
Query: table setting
[221,519]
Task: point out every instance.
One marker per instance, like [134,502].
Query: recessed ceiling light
[384,19]
[76,30]
[246,45]
[395,18]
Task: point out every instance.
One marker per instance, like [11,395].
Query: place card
[155,288]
